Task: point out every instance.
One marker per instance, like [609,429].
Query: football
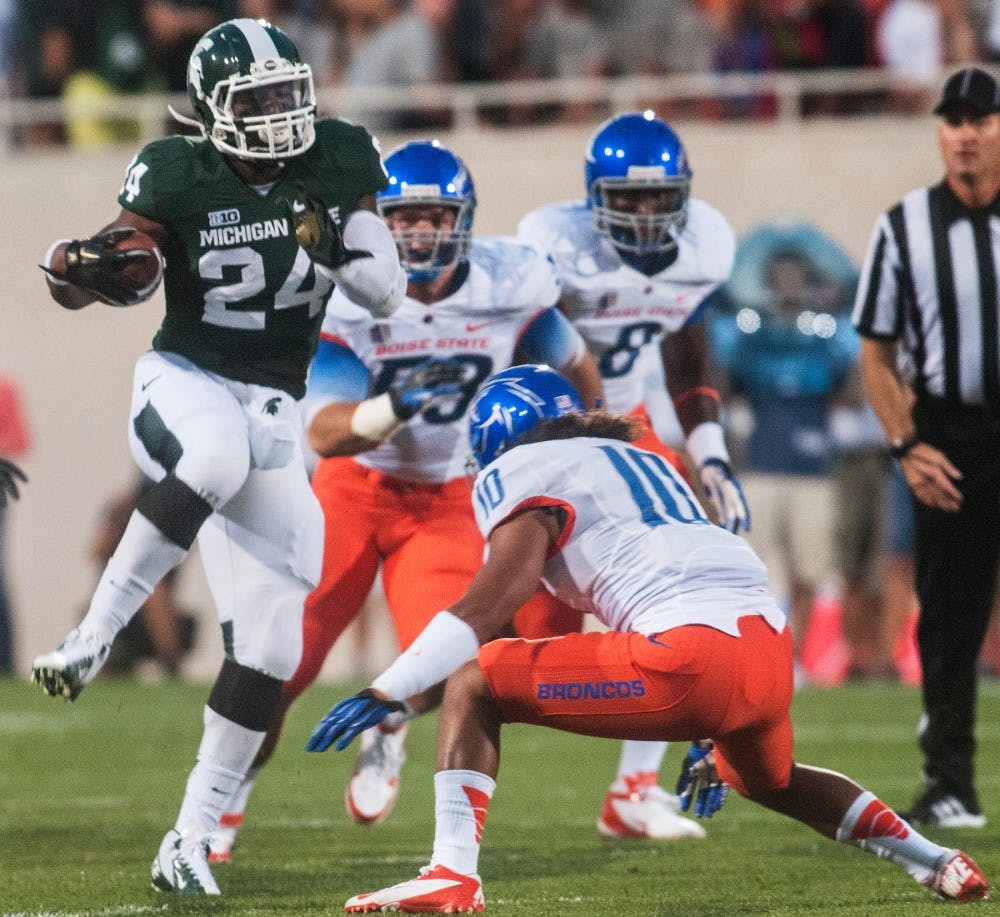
[144,267]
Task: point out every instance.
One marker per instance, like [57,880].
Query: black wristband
[900,447]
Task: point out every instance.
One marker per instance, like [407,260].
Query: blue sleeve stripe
[336,373]
[550,338]
[699,314]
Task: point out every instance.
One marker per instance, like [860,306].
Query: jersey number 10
[658,493]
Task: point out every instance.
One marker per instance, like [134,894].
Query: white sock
[640,757]
[226,752]
[871,825]
[237,804]
[143,557]
[460,802]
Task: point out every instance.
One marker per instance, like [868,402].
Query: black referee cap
[974,87]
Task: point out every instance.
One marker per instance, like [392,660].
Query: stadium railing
[467,107]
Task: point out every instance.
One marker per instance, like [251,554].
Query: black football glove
[10,474]
[318,234]
[95,265]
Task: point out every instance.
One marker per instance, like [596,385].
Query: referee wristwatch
[900,446]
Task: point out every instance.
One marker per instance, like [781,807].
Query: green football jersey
[243,299]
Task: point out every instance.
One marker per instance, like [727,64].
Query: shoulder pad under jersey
[510,275]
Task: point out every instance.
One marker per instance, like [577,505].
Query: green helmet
[252,93]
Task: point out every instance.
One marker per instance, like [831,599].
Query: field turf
[88,789]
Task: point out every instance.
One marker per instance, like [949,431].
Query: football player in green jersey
[257,220]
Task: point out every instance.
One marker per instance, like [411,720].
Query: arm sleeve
[443,646]
[377,283]
[550,338]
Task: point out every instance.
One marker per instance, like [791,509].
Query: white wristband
[706,441]
[375,419]
[443,646]
[47,263]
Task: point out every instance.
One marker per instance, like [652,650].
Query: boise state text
[591,690]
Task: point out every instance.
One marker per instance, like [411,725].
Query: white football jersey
[508,285]
[637,549]
[621,313]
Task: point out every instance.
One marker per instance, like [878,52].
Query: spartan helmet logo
[195,74]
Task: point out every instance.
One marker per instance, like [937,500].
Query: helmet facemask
[268,113]
[429,243]
[641,215]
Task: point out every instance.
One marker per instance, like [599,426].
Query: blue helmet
[512,402]
[640,156]
[425,173]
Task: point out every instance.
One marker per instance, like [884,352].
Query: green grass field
[88,789]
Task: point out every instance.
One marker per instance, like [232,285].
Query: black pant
[956,560]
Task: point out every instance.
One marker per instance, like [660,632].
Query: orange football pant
[687,683]
[426,539]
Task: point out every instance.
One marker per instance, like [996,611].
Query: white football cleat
[958,878]
[223,839]
[372,790]
[181,865]
[637,806]
[437,890]
[64,672]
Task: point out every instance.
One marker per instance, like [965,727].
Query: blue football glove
[726,495]
[10,474]
[417,389]
[349,718]
[699,780]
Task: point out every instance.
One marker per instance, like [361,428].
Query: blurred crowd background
[94,49]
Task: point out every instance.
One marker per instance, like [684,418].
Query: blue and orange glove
[349,718]
[700,781]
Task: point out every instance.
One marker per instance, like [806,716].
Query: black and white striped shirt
[930,280]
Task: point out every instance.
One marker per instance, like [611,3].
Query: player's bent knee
[246,696]
[216,471]
[273,643]
[175,509]
[307,672]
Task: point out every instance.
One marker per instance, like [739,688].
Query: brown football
[145,269]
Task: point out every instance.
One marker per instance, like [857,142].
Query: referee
[928,299]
